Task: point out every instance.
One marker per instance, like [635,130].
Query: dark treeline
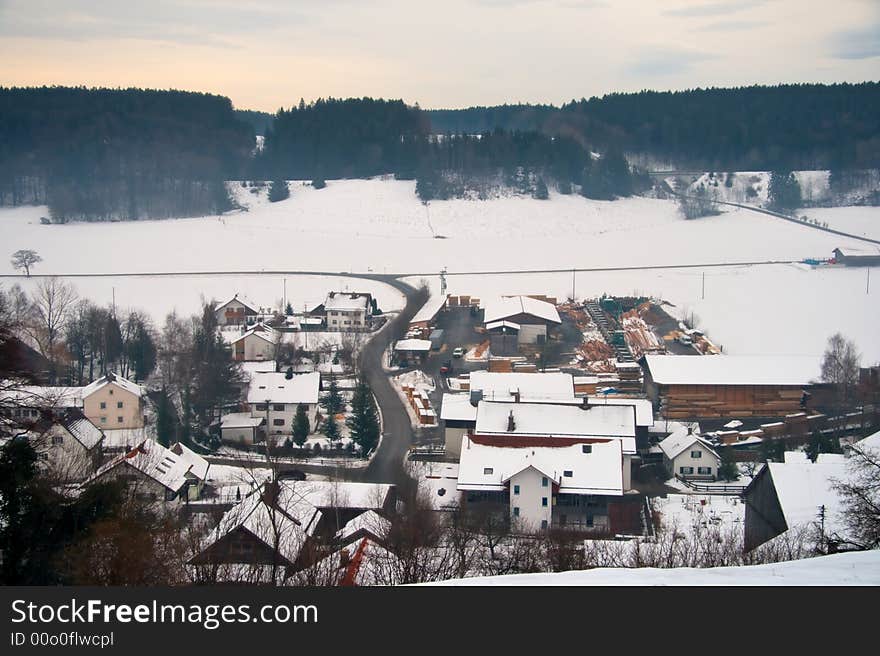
[259,121]
[101,154]
[334,138]
[802,126]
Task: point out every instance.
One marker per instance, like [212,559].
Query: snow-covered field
[862,568]
[864,221]
[379,225]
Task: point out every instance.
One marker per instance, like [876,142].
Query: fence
[712,489]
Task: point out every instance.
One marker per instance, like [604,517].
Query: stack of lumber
[638,335]
[719,401]
[481,349]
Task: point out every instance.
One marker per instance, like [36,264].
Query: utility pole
[703,296]
[443,281]
[573,297]
[284,294]
[868,281]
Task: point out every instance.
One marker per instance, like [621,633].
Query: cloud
[731,26]
[856,44]
[722,8]
[660,61]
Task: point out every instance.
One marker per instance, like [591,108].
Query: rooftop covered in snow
[499,386]
[780,370]
[274,387]
[503,307]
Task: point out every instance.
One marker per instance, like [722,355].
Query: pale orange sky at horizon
[268,54]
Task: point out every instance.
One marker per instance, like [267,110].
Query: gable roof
[347,301]
[486,466]
[198,466]
[84,431]
[263,332]
[679,440]
[277,388]
[369,523]
[253,307]
[545,420]
[152,459]
[784,370]
[497,386]
[503,307]
[109,378]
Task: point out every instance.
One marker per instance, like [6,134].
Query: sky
[266,54]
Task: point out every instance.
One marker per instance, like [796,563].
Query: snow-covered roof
[276,515]
[790,370]
[38,396]
[503,307]
[369,522]
[865,251]
[277,388]
[430,309]
[644,409]
[263,332]
[253,307]
[102,382]
[344,494]
[413,345]
[345,301]
[488,467]
[497,386]
[457,407]
[549,420]
[679,440]
[803,486]
[240,420]
[870,442]
[492,325]
[127,438]
[198,466]
[85,432]
[152,459]
[257,366]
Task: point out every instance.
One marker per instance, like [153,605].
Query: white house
[68,444]
[237,311]
[257,344]
[242,428]
[561,484]
[348,311]
[276,396]
[689,456]
[114,402]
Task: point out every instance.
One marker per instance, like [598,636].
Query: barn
[720,386]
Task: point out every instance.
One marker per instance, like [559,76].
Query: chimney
[585,403]
[511,424]
[515,393]
[476,397]
[288,375]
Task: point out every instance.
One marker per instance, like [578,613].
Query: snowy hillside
[380,226]
[861,568]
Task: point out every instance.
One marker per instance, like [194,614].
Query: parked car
[446,367]
[458,352]
[685,339]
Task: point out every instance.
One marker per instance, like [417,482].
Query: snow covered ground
[864,221]
[862,568]
[379,225]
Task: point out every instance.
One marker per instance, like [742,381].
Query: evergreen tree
[541,192]
[363,422]
[319,183]
[288,309]
[784,192]
[728,470]
[166,420]
[332,401]
[301,427]
[331,429]
[278,190]
[820,443]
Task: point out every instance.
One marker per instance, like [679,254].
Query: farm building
[411,352]
[717,386]
[426,318]
[867,256]
[532,318]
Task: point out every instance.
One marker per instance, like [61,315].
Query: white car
[458,352]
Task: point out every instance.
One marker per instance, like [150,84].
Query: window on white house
[587,448]
[119,404]
[57,439]
[544,502]
[278,422]
[696,454]
[516,489]
[103,405]
[685,470]
[516,511]
[544,481]
[707,471]
[543,524]
[119,420]
[487,471]
[568,473]
[278,406]
[262,406]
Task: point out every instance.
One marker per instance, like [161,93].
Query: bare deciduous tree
[24,260]
[53,302]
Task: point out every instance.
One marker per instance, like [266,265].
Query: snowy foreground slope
[380,226]
[862,568]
